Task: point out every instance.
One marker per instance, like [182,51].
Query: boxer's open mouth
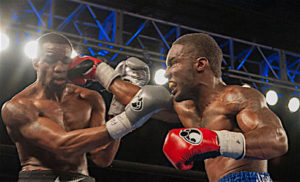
[172,86]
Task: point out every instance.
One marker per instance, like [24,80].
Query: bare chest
[72,113]
[218,118]
[215,117]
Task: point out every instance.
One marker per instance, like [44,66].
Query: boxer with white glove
[145,103]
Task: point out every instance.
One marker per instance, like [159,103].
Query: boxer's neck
[50,93]
[207,91]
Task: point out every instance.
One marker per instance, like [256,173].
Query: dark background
[272,23]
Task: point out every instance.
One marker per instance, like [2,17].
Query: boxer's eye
[50,59]
[67,60]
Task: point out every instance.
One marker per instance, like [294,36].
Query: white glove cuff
[232,144]
[119,126]
[105,74]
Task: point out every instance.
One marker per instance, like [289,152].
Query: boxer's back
[72,112]
[220,114]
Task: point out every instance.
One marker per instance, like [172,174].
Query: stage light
[4,41]
[294,104]
[31,49]
[159,77]
[271,97]
[73,54]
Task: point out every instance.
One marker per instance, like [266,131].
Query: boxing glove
[183,146]
[134,71]
[85,68]
[149,100]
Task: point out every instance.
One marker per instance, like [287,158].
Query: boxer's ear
[201,63]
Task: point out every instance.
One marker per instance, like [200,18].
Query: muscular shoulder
[18,111]
[91,96]
[244,97]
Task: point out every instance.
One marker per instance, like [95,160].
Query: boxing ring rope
[9,151]
[151,169]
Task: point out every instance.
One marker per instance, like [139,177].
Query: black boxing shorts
[51,176]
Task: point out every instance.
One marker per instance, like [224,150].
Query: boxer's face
[180,71]
[52,64]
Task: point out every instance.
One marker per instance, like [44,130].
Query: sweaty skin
[203,100]
[54,124]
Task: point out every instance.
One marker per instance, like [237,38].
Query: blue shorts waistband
[247,176]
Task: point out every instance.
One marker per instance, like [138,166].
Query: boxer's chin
[57,84]
[179,97]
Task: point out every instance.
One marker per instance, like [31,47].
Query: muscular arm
[104,155]
[25,122]
[125,91]
[263,131]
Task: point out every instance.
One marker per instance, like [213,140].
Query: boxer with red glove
[183,145]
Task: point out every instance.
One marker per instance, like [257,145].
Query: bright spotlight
[4,41]
[159,77]
[31,49]
[271,97]
[294,104]
[73,54]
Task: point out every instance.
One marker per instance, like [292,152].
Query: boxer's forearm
[266,143]
[124,91]
[47,134]
[81,141]
[103,156]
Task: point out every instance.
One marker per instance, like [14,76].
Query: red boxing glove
[82,69]
[181,145]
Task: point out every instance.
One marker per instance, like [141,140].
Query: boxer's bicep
[247,120]
[264,134]
[254,113]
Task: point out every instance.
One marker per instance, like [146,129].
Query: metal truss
[113,33]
